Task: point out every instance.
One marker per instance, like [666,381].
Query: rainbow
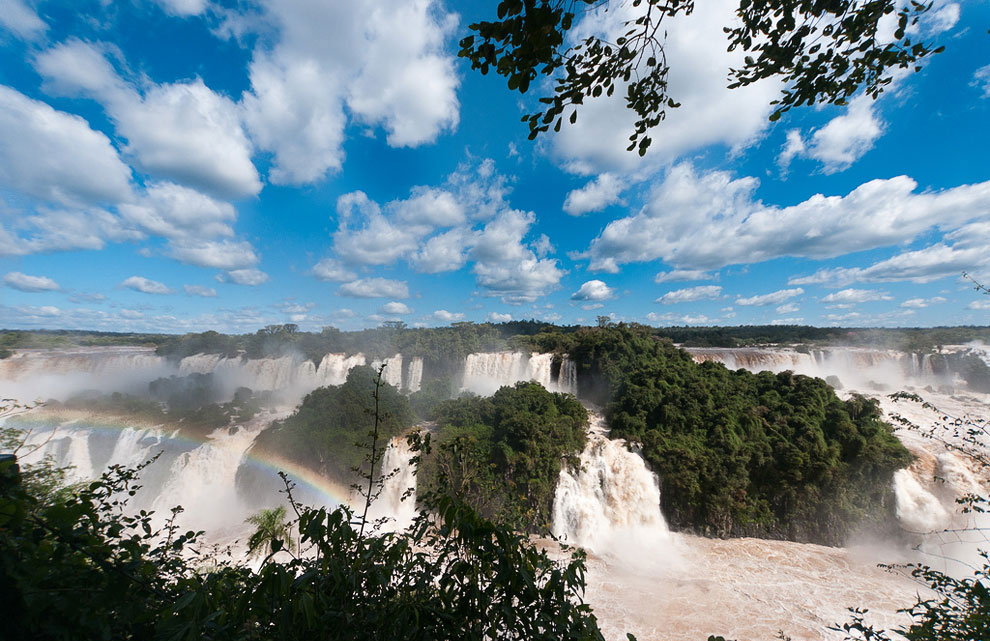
[327,491]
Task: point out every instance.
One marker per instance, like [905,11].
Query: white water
[656,584]
[862,369]
[414,377]
[485,372]
[396,503]
[611,504]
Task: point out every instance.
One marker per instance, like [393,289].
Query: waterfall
[390,504]
[485,372]
[857,368]
[333,368]
[414,375]
[611,504]
[392,373]
[61,373]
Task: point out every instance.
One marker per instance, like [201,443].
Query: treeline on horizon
[463,338]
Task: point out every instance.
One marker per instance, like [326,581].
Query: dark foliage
[502,454]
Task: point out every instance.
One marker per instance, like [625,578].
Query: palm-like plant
[271,526]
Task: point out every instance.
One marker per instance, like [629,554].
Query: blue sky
[183,165]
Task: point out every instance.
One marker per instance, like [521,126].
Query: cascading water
[611,504]
[414,376]
[397,500]
[485,372]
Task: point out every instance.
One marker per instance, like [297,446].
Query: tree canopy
[825,52]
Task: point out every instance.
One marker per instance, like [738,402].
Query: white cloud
[981,80]
[374,288]
[384,60]
[593,290]
[27,283]
[185,131]
[789,308]
[395,308]
[979,304]
[223,254]
[177,212]
[594,196]
[961,250]
[506,267]
[691,294]
[793,148]
[430,206]
[251,277]
[331,270]
[919,303]
[685,319]
[145,285]
[444,316]
[709,113]
[495,317]
[847,297]
[682,275]
[712,220]
[444,252]
[62,230]
[942,19]
[184,8]
[199,290]
[56,156]
[773,298]
[20,19]
[846,138]
[794,320]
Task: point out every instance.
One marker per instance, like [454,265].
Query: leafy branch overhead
[824,50]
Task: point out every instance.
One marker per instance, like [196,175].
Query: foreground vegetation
[79,565]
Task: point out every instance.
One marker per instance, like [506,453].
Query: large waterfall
[485,372]
[611,503]
[860,368]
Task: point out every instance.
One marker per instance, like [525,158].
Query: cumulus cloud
[374,288]
[711,220]
[183,131]
[177,212]
[395,308]
[961,250]
[495,317]
[691,294]
[251,277]
[685,319]
[506,267]
[682,275]
[64,229]
[145,285]
[384,62]
[21,20]
[595,196]
[710,113]
[842,141]
[979,304]
[224,254]
[444,316]
[773,298]
[851,296]
[981,80]
[28,283]
[444,252]
[184,8]
[919,303]
[789,308]
[200,290]
[57,157]
[593,290]
[330,269]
